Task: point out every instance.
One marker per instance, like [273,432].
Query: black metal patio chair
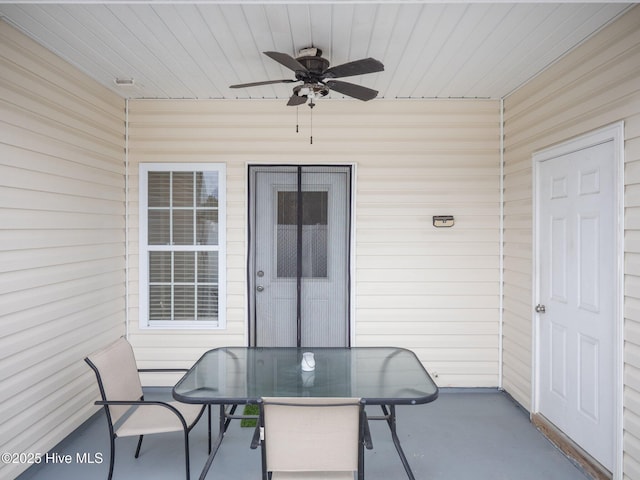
[312,438]
[128,413]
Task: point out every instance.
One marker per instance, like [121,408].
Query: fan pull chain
[311,105]
[297,123]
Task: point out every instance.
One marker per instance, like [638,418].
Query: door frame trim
[615,133]
[249,307]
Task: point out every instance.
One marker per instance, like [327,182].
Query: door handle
[260,288]
[541,308]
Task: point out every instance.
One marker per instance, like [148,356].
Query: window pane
[160,267]
[159,302]
[207,227]
[314,234]
[184,267]
[158,189]
[207,189]
[183,227]
[158,227]
[207,303]
[182,189]
[184,302]
[207,267]
[314,208]
[287,208]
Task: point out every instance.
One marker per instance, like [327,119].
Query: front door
[576,221]
[299,255]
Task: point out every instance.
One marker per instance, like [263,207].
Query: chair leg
[112,457]
[209,427]
[186,452]
[138,447]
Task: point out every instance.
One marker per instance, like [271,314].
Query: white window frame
[145,248]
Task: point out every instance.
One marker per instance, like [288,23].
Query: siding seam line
[126,219]
[501,254]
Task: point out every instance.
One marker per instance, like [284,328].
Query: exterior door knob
[260,288]
[541,308]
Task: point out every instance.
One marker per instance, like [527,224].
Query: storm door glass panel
[314,234]
[183,237]
[287,235]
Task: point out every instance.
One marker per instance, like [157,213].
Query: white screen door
[577,217]
[299,255]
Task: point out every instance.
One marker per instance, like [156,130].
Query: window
[182,245]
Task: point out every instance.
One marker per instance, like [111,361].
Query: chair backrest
[117,373]
[311,434]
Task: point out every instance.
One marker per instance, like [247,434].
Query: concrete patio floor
[465,434]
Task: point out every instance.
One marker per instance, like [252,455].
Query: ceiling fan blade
[257,84]
[287,60]
[352,90]
[296,100]
[357,67]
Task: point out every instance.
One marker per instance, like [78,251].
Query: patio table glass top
[237,375]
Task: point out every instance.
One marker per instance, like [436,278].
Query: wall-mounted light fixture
[440,221]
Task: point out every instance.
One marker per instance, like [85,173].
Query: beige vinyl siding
[432,290]
[62,242]
[594,86]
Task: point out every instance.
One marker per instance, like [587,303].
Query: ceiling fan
[318,79]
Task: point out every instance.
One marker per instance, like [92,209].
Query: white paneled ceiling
[197,49]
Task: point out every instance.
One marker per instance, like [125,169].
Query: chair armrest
[162,370]
[141,403]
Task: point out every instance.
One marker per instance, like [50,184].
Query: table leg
[361,452]
[213,450]
[390,417]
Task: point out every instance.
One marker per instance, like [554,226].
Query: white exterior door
[577,268]
[299,259]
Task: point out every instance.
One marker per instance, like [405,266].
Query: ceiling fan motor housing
[315,65]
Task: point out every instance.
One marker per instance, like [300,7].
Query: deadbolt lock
[540,308]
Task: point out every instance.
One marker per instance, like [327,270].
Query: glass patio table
[232,376]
